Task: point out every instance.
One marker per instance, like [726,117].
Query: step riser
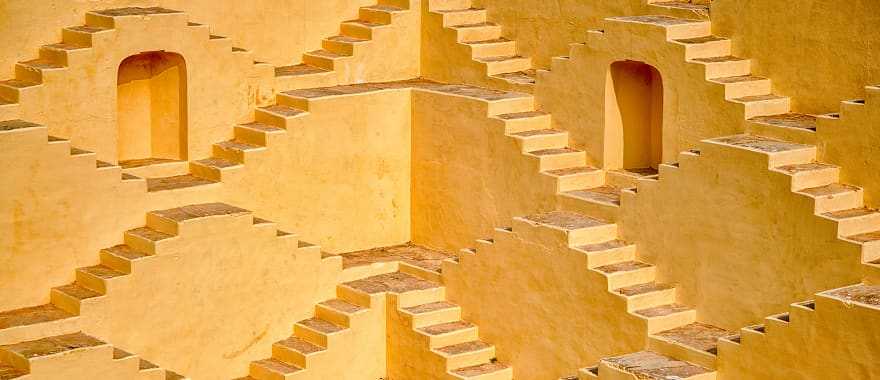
[504,374]
[320,61]
[845,201]
[855,226]
[668,322]
[376,16]
[91,282]
[635,277]
[332,315]
[610,373]
[259,372]
[708,50]
[470,358]
[445,5]
[116,262]
[611,256]
[499,49]
[727,69]
[464,18]
[580,181]
[750,88]
[527,124]
[339,47]
[815,178]
[436,317]
[481,33]
[421,297]
[357,31]
[291,356]
[767,107]
[690,30]
[562,161]
[312,336]
[592,235]
[701,358]
[508,66]
[533,143]
[455,337]
[649,300]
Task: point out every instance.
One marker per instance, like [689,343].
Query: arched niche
[634,115]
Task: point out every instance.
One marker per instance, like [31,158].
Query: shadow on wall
[634,115]
[152,107]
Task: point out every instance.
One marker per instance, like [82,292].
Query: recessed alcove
[151,108]
[634,114]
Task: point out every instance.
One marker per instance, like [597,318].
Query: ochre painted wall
[277,31]
[818,52]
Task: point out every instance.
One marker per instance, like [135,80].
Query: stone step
[339,312]
[505,64]
[449,333]
[177,182]
[647,295]
[35,322]
[764,105]
[813,174]
[492,48]
[578,229]
[724,66]
[272,369]
[652,365]
[482,31]
[318,331]
[466,354]
[855,221]
[666,317]
[627,273]
[558,158]
[581,177]
[676,28]
[296,351]
[432,313]
[695,342]
[380,13]
[779,153]
[486,371]
[743,86]
[705,47]
[360,28]
[122,257]
[607,252]
[466,16]
[539,139]
[835,197]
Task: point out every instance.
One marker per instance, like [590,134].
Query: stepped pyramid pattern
[407,191]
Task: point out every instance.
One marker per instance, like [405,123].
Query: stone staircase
[831,317]
[426,327]
[162,232]
[60,356]
[674,334]
[333,64]
[496,56]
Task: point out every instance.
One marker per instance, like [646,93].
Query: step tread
[789,120]
[78,292]
[135,11]
[480,369]
[66,46]
[342,306]
[571,171]
[445,328]
[87,29]
[326,54]
[300,345]
[663,310]
[604,246]
[522,115]
[216,162]
[321,325]
[565,219]
[851,213]
[396,282]
[625,266]
[803,168]
[462,348]
[278,366]
[19,84]
[501,58]
[602,194]
[429,307]
[149,234]
[725,58]
[463,10]
[656,20]
[759,98]
[42,64]
[867,237]
[297,70]
[101,271]
[538,132]
[701,40]
[384,8]
[32,315]
[475,25]
[53,345]
[500,40]
[830,190]
[520,77]
[126,252]
[699,336]
[763,144]
[262,127]
[184,213]
[176,182]
[238,145]
[651,365]
[862,293]
[682,4]
[554,151]
[282,110]
[347,39]
[364,23]
[10,373]
[11,125]
[640,289]
[738,79]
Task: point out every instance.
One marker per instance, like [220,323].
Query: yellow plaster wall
[543,30]
[468,176]
[836,341]
[818,52]
[538,301]
[176,308]
[574,92]
[851,143]
[340,178]
[733,236]
[278,32]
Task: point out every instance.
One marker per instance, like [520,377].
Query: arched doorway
[151,107]
[634,114]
